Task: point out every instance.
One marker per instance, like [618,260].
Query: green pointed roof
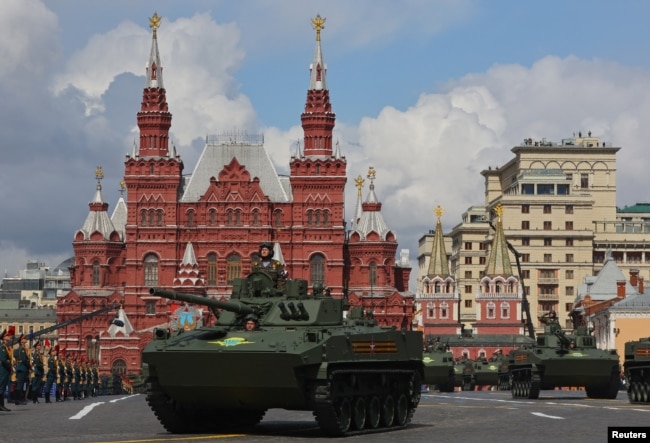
[499,261]
[438,265]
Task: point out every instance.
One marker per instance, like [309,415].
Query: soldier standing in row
[23,363]
[69,376]
[60,374]
[39,371]
[76,379]
[95,377]
[6,365]
[50,377]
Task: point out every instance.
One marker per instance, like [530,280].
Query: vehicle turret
[214,305]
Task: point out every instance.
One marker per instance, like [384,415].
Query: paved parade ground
[479,416]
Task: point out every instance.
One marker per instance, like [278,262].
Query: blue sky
[428,92]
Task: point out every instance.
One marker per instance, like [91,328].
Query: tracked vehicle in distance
[559,359]
[356,376]
[637,370]
[438,366]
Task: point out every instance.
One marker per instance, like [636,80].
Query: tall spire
[438,264]
[499,260]
[98,219]
[371,219]
[358,182]
[318,118]
[154,119]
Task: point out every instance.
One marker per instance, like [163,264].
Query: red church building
[197,233]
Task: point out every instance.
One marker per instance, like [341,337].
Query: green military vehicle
[356,376]
[438,366]
[464,374]
[560,359]
[637,370]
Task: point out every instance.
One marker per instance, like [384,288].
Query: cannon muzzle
[232,306]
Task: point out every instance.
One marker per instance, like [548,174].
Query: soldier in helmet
[273,268]
[251,322]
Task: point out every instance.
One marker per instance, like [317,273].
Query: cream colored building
[559,213]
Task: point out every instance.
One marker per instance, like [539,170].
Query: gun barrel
[563,338]
[232,306]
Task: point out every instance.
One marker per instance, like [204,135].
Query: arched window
[151,270]
[317,269]
[444,310]
[505,310]
[233,269]
[229,216]
[490,310]
[317,218]
[372,271]
[310,214]
[160,217]
[431,310]
[96,273]
[212,269]
[190,219]
[213,217]
[278,218]
[151,218]
[256,218]
[143,217]
[237,218]
[92,346]
[119,367]
[326,216]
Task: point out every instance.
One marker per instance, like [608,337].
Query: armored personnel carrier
[486,372]
[355,376]
[560,359]
[637,370]
[438,366]
[464,374]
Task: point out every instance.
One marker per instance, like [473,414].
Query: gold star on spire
[438,211]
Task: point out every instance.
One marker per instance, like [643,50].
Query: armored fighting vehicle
[355,376]
[559,359]
[486,372]
[438,366]
[637,370]
[464,374]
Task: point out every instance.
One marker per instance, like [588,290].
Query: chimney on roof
[634,277]
[620,288]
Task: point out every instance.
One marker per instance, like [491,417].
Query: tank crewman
[251,322]
[50,375]
[23,366]
[273,268]
[38,369]
[6,364]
